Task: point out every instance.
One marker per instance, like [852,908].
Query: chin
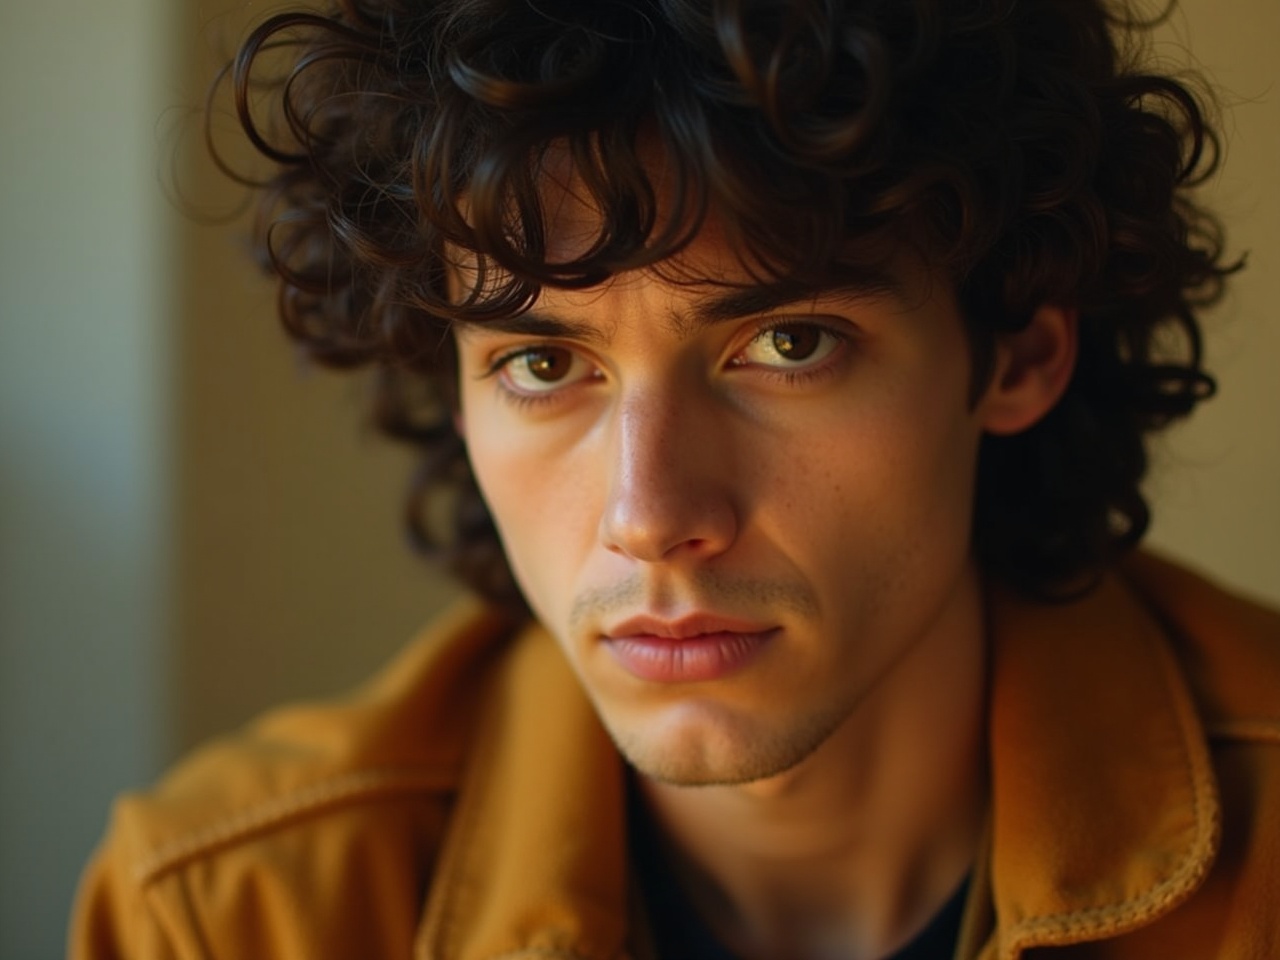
[706,751]
[680,773]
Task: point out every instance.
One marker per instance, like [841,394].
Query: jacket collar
[1104,809]
[1104,805]
[534,863]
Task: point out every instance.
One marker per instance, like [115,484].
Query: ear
[1031,372]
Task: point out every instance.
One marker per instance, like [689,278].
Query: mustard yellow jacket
[467,805]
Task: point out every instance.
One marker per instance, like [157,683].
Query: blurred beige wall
[1216,480]
[193,525]
[293,576]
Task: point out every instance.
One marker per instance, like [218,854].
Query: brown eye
[796,343]
[789,345]
[544,369]
[548,364]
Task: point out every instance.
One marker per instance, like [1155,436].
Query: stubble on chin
[712,746]
[724,751]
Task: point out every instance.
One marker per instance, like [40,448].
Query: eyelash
[806,374]
[518,399]
[526,401]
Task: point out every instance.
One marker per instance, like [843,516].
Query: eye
[789,345]
[542,369]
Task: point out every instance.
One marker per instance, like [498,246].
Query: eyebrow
[537,323]
[732,304]
[741,302]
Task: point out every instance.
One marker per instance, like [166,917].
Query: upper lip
[683,628]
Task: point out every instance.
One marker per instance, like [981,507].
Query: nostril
[690,519]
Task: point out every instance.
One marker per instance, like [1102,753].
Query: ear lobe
[1032,370]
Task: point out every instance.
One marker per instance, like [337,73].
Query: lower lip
[708,656]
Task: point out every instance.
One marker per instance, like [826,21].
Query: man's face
[735,517]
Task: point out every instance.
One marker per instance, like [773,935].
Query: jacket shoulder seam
[280,811]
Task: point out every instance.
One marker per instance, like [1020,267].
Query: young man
[788,364]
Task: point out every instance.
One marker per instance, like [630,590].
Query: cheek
[893,480]
[539,500]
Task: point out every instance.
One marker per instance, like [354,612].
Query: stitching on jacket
[1266,731]
[1118,917]
[279,810]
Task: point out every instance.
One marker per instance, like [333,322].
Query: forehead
[710,276]
[712,265]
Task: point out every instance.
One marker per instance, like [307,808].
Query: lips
[693,649]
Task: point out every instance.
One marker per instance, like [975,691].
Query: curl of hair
[1018,144]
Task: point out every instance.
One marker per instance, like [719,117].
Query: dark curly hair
[1019,145]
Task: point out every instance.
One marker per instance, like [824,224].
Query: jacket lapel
[1104,805]
[534,863]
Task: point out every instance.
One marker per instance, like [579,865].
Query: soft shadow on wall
[193,524]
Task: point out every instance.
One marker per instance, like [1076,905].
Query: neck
[852,851]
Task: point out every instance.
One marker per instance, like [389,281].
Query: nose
[671,488]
